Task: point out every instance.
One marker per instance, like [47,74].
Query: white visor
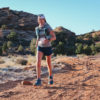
[41,16]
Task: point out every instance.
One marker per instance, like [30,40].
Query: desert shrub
[88,35]
[79,48]
[0,50]
[89,42]
[9,44]
[93,49]
[60,48]
[70,50]
[64,44]
[20,49]
[12,36]
[21,61]
[3,27]
[4,47]
[71,45]
[79,39]
[97,47]
[87,49]
[59,44]
[32,46]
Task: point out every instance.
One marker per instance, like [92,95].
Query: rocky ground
[77,79]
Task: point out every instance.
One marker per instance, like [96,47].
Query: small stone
[26,83]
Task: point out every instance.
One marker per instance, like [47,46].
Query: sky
[79,16]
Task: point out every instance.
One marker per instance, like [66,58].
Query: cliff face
[62,29]
[23,23]
[17,19]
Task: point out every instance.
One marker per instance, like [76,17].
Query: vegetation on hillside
[82,44]
[64,44]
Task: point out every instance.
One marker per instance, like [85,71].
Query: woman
[44,35]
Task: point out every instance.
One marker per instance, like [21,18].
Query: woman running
[44,35]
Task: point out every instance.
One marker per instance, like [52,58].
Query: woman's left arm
[53,36]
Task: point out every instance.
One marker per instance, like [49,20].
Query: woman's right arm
[37,43]
[36,30]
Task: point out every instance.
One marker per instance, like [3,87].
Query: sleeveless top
[43,33]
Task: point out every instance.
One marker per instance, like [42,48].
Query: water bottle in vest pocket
[47,34]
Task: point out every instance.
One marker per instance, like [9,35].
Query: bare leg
[48,59]
[38,63]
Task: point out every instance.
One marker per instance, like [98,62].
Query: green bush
[12,36]
[9,44]
[79,39]
[3,27]
[87,49]
[4,47]
[97,46]
[64,44]
[79,48]
[60,48]
[93,49]
[88,35]
[20,48]
[70,45]
[70,50]
[0,50]
[32,46]
[89,42]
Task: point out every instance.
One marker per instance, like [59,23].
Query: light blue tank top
[42,33]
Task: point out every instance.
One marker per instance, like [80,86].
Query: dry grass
[21,61]
[2,61]
[31,60]
[17,61]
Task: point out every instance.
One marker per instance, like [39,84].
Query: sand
[78,79]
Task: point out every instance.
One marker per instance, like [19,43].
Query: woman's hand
[46,41]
